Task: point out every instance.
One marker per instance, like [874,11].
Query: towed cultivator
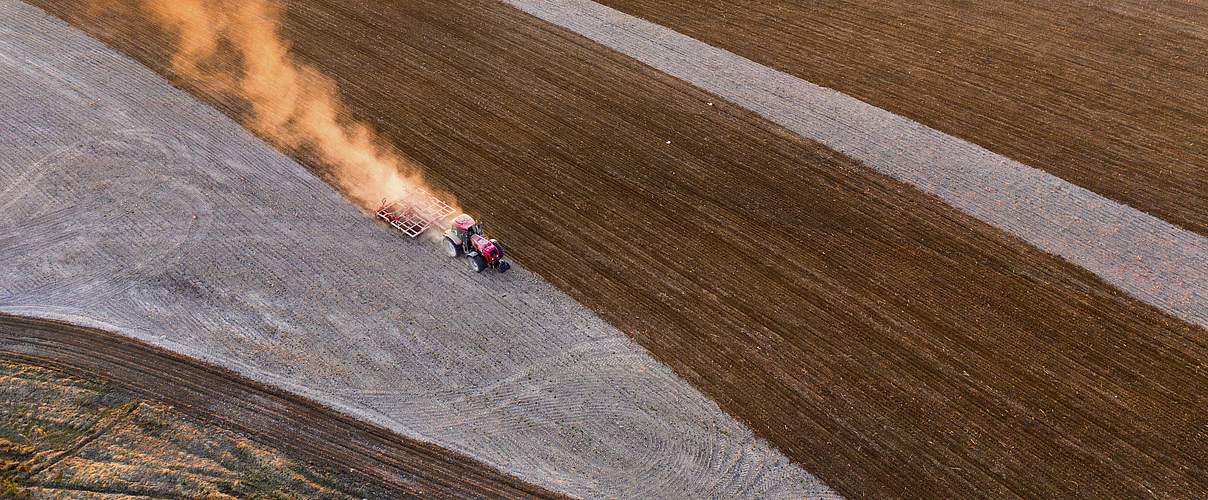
[418,210]
[414,212]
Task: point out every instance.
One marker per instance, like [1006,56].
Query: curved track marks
[395,466]
[891,344]
[208,242]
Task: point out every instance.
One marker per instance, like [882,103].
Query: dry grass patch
[65,436]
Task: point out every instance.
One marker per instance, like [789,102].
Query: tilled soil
[1107,95]
[130,206]
[385,464]
[1146,257]
[888,343]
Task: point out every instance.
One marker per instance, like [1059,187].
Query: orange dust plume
[235,49]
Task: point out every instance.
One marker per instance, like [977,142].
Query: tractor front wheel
[452,249]
[477,263]
[503,267]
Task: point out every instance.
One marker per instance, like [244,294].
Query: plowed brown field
[886,342]
[1107,95]
[384,463]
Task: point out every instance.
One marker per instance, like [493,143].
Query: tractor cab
[465,238]
[465,226]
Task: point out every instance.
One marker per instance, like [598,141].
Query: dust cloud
[235,48]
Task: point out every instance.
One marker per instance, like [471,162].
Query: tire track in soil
[391,465]
[884,341]
[174,197]
[325,303]
[85,441]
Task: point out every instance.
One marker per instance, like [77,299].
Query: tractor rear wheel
[452,249]
[477,263]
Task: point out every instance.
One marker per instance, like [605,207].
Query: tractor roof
[463,222]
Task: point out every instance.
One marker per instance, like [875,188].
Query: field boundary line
[1152,260]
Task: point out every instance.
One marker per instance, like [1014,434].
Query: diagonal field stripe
[1150,259]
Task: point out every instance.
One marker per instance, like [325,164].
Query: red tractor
[465,238]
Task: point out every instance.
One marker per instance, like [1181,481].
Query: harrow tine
[415,212]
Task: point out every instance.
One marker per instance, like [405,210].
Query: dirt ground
[1107,95]
[130,206]
[1145,257]
[163,425]
[886,342]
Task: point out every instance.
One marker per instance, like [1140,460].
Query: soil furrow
[300,427]
[886,342]
[1105,95]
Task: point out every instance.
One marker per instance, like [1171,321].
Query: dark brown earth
[384,463]
[1106,95]
[886,342]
